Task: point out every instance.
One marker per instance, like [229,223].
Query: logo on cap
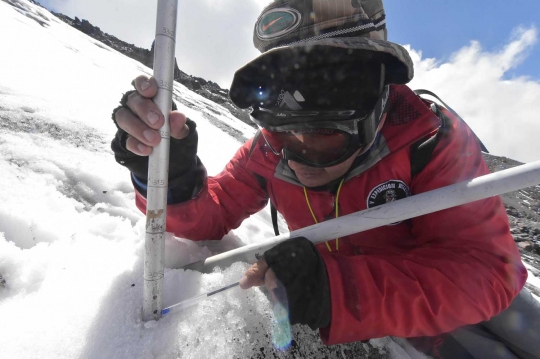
[277,22]
[285,99]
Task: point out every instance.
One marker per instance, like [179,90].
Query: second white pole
[436,200]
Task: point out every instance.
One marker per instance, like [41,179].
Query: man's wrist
[180,189]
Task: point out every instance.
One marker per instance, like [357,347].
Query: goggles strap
[337,212]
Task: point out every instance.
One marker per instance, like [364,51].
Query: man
[338,126]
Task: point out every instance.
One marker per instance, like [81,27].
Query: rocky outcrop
[523,209]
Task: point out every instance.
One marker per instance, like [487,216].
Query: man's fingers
[270,280]
[177,121]
[137,147]
[141,118]
[136,128]
[141,104]
[146,110]
[146,86]
[254,276]
[276,290]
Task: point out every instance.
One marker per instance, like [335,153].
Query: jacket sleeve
[462,268]
[223,203]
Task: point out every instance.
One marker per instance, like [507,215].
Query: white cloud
[504,112]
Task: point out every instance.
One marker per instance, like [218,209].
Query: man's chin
[312,181]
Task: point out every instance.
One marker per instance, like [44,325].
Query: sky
[71,238]
[442,27]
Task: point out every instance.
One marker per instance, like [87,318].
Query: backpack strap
[440,114]
[273,214]
[422,150]
[260,179]
[262,183]
[255,140]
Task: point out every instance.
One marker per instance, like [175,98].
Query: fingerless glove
[300,268]
[187,174]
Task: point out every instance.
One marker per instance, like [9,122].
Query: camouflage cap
[299,30]
[286,22]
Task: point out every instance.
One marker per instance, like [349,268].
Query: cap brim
[283,61]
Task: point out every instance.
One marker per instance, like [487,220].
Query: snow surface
[71,238]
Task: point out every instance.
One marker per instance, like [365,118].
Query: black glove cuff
[182,188]
[300,268]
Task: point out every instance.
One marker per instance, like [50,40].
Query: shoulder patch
[387,192]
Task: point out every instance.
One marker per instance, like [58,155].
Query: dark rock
[524,229]
[521,237]
[513,212]
[530,247]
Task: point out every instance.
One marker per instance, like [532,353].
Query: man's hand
[141,118]
[298,266]
[138,120]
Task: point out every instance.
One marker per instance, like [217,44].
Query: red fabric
[421,277]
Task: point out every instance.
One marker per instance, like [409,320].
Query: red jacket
[420,277]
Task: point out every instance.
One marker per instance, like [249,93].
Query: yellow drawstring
[337,212]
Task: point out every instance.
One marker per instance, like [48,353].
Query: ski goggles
[320,138]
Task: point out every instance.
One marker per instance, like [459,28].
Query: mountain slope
[207,89]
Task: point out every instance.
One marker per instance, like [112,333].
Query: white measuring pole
[436,200]
[158,165]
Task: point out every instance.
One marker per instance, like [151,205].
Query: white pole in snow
[442,198]
[158,165]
